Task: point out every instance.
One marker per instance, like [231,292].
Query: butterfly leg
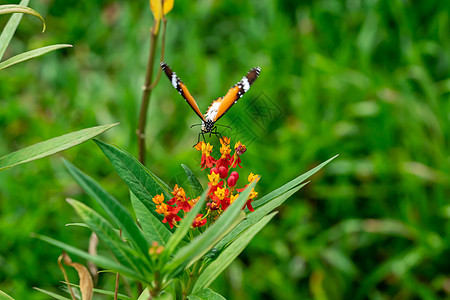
[216,133]
[198,138]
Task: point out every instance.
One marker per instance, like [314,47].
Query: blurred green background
[369,80]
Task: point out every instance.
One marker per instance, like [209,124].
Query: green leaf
[5,296]
[338,259]
[106,233]
[10,29]
[257,215]
[204,242]
[291,184]
[51,146]
[196,187]
[205,294]
[30,54]
[185,224]
[153,229]
[101,261]
[51,294]
[14,8]
[144,295]
[112,207]
[143,183]
[103,292]
[229,254]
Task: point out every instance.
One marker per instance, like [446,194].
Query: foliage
[156,256]
[10,28]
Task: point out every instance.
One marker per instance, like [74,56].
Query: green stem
[146,96]
[193,276]
[156,289]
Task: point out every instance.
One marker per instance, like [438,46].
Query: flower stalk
[148,86]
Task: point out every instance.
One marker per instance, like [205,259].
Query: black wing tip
[163,65]
[257,70]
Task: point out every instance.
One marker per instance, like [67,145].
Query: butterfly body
[220,106]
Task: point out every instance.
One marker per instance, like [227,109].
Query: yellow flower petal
[155,6]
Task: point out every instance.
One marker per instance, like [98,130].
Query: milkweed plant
[175,240]
[179,243]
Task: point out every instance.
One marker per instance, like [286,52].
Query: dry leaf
[86,284]
[93,243]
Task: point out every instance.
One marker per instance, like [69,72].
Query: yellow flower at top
[220,193]
[158,199]
[214,178]
[160,8]
[252,177]
[225,141]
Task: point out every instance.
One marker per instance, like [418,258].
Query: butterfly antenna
[195,125]
[224,126]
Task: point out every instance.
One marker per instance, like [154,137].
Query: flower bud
[232,180]
[235,174]
[223,172]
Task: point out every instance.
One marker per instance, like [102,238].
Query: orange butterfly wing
[182,89]
[220,106]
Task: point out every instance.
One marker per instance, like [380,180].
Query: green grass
[367,80]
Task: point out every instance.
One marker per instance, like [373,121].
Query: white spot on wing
[212,111]
[245,84]
[174,80]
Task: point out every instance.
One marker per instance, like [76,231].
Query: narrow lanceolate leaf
[86,283]
[5,296]
[204,242]
[143,183]
[229,254]
[106,233]
[51,294]
[30,54]
[256,216]
[112,207]
[10,29]
[205,294]
[51,146]
[106,293]
[104,262]
[13,8]
[153,229]
[291,184]
[145,295]
[196,187]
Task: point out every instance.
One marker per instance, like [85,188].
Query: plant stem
[116,288]
[192,279]
[146,97]
[156,289]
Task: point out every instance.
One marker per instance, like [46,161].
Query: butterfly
[220,106]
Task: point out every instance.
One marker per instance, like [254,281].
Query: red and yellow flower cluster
[221,183]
